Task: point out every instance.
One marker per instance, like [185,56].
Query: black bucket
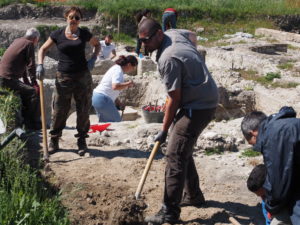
[153,116]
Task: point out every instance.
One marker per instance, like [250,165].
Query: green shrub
[271,76]
[45,31]
[10,107]
[25,198]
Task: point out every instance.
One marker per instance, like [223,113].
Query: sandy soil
[94,186]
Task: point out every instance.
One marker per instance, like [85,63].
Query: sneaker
[53,145]
[197,201]
[82,146]
[162,217]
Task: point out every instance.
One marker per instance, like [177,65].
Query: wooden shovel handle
[44,126]
[146,170]
[234,221]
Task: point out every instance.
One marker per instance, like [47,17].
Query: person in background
[277,138]
[169,19]
[105,95]
[193,98]
[73,77]
[108,49]
[255,184]
[140,17]
[18,62]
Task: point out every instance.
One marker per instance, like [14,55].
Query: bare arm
[113,52]
[193,38]
[97,47]
[121,86]
[42,51]
[171,108]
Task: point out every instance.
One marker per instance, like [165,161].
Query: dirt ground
[94,186]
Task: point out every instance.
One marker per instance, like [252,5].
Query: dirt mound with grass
[129,212]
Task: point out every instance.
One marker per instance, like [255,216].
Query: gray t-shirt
[181,66]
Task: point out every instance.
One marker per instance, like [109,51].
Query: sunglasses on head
[147,39]
[74,17]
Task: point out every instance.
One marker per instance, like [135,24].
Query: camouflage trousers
[79,86]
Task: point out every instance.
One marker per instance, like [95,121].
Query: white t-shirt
[106,50]
[114,75]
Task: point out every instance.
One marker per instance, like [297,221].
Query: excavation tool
[18,132]
[234,221]
[44,126]
[146,170]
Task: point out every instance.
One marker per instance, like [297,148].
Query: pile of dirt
[129,212]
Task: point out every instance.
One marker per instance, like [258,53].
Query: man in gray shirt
[193,98]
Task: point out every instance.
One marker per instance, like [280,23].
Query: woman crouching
[105,96]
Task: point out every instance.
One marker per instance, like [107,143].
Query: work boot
[53,145]
[197,201]
[163,216]
[82,147]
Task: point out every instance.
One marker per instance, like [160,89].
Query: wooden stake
[118,25]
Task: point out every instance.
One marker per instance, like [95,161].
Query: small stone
[210,135]
[199,29]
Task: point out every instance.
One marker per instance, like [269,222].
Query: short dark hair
[109,36]
[145,12]
[73,8]
[257,178]
[251,122]
[124,60]
[149,26]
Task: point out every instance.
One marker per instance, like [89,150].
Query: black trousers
[31,111]
[181,174]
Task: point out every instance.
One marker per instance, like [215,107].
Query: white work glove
[40,72]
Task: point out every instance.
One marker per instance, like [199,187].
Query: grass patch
[25,197]
[2,50]
[250,153]
[264,80]
[229,10]
[124,38]
[45,31]
[292,47]
[218,9]
[285,85]
[214,30]
[286,66]
[214,151]
[248,88]
[10,106]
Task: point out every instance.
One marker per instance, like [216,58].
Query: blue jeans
[105,108]
[168,21]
